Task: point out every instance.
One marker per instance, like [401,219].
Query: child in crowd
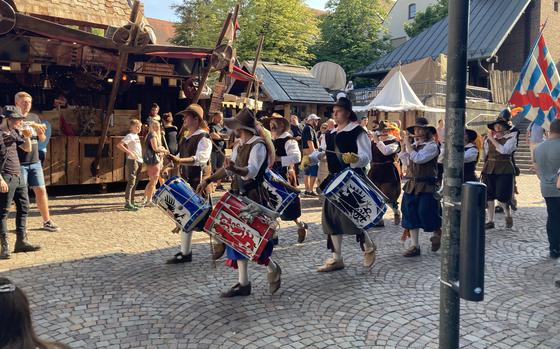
[132,146]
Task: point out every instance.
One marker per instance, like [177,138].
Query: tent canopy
[397,96]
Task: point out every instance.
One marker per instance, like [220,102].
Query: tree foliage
[352,34]
[289,27]
[427,18]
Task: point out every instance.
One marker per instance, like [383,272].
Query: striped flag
[538,90]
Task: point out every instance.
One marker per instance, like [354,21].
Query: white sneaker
[50,226]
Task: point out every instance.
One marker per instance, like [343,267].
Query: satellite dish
[330,75]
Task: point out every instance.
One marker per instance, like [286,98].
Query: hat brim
[266,122]
[503,122]
[236,125]
[471,134]
[431,128]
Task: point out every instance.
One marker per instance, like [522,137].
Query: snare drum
[279,197]
[180,203]
[357,198]
[247,234]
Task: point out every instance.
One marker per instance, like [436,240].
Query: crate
[88,152]
[58,161]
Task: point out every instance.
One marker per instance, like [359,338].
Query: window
[556,6]
[411,11]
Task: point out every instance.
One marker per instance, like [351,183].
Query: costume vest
[341,142]
[252,188]
[469,168]
[422,178]
[187,148]
[280,148]
[384,167]
[497,163]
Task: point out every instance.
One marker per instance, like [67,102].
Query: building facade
[402,12]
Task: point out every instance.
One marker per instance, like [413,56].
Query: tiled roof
[490,23]
[164,30]
[291,83]
[101,12]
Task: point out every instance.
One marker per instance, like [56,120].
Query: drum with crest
[357,198]
[279,197]
[243,225]
[180,203]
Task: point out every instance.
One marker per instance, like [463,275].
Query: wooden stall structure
[93,68]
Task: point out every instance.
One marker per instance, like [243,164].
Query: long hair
[15,320]
[155,127]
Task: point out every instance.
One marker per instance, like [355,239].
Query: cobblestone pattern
[102,283]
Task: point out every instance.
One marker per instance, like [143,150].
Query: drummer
[420,207]
[347,146]
[247,165]
[385,171]
[195,148]
[287,156]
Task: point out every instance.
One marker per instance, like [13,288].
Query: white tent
[397,96]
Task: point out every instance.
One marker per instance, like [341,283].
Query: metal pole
[454,155]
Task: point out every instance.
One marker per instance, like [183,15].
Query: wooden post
[121,65]
[255,64]
[209,67]
[287,110]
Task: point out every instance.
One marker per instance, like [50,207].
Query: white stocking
[490,211]
[337,245]
[368,243]
[186,242]
[414,237]
[242,270]
[507,210]
[271,267]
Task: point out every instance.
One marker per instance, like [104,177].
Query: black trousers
[553,223]
[17,191]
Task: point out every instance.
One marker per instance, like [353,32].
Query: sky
[162,8]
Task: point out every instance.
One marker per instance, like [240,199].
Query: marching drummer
[287,156]
[419,206]
[346,146]
[195,148]
[385,172]
[247,164]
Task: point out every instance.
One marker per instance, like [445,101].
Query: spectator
[323,168]
[364,123]
[12,184]
[535,136]
[154,114]
[15,320]
[43,145]
[310,143]
[132,146]
[547,164]
[31,168]
[296,130]
[171,133]
[153,160]
[218,134]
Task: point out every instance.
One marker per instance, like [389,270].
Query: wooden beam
[62,33]
[255,64]
[121,65]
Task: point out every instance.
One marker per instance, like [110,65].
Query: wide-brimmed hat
[346,104]
[12,112]
[193,109]
[278,118]
[423,123]
[501,120]
[245,119]
[471,134]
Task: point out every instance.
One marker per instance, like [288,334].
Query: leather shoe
[397,218]
[24,246]
[369,258]
[436,241]
[509,222]
[180,258]
[331,265]
[302,233]
[380,224]
[237,290]
[274,279]
[218,250]
[489,225]
[413,251]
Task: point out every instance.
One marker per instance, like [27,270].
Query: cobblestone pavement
[102,282]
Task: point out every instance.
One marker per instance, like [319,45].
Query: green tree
[427,18]
[289,27]
[352,34]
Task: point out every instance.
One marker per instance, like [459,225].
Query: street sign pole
[454,155]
